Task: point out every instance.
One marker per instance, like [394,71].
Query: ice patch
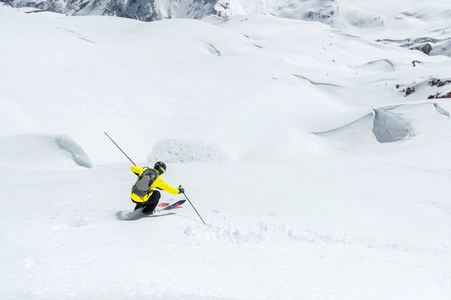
[389,127]
[41,151]
[78,155]
[178,151]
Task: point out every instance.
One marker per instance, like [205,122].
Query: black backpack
[142,185]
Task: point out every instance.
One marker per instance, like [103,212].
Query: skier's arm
[137,170]
[161,184]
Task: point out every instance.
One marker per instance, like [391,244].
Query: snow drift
[41,151]
[179,151]
[406,126]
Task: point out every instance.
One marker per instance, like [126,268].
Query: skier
[143,192]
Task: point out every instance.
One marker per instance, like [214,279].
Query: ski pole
[119,148]
[192,206]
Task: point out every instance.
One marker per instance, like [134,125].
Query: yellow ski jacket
[158,183]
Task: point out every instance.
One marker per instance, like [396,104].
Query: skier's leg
[149,205]
[137,206]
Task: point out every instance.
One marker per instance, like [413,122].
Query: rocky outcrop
[151,10]
[433,88]
[427,45]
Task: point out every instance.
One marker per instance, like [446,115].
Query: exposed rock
[426,48]
[416,62]
[439,82]
[152,10]
[438,95]
[427,45]
[407,91]
[410,91]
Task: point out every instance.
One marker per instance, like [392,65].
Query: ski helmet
[160,167]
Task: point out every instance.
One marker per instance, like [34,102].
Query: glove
[181,190]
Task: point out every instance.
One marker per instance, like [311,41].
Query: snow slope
[319,177]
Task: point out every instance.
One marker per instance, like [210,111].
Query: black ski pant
[150,204]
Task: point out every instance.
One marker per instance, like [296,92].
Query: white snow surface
[318,176]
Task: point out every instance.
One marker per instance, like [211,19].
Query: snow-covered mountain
[145,10]
[151,10]
[348,16]
[318,156]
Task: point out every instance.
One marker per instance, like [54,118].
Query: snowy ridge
[405,125]
[152,10]
[377,22]
[345,15]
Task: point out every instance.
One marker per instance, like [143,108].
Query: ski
[138,214]
[166,206]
